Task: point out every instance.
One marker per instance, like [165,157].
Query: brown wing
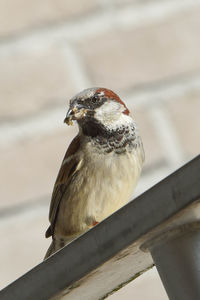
[68,168]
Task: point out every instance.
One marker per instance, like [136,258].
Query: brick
[153,150]
[33,79]
[122,59]
[21,15]
[184,112]
[29,169]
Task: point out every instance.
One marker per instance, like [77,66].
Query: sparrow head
[98,104]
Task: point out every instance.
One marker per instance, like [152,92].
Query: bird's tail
[52,249]
[57,244]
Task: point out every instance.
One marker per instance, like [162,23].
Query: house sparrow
[100,169]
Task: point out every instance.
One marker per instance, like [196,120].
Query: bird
[100,169]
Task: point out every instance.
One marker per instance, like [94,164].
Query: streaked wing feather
[69,167]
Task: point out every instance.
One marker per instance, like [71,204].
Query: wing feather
[69,168]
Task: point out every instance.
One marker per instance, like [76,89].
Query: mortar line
[77,70]
[159,92]
[150,12]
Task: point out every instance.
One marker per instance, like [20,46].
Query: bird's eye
[94,99]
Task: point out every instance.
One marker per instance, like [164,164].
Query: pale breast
[104,184]
[112,183]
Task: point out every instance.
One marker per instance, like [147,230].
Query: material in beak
[74,114]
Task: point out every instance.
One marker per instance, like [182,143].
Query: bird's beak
[74,113]
[69,117]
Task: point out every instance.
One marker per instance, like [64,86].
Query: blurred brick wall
[145,50]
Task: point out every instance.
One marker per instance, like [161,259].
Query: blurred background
[147,51]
